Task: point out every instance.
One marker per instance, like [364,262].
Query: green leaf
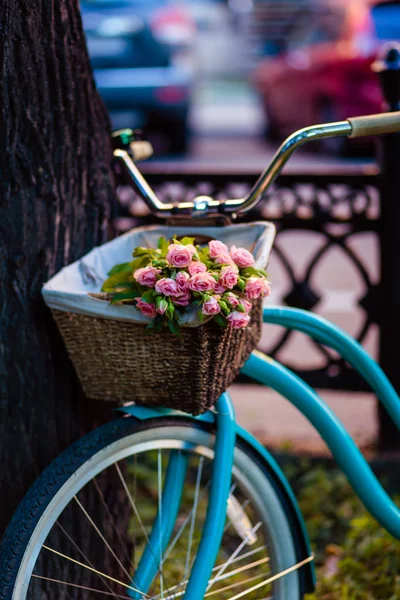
[204,253]
[129,287]
[162,245]
[224,307]
[151,328]
[174,328]
[249,272]
[169,313]
[241,284]
[155,325]
[148,296]
[262,273]
[240,308]
[140,251]
[140,262]
[220,319]
[187,240]
[215,266]
[121,268]
[121,297]
[112,282]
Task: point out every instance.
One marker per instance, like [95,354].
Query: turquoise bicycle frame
[272,374]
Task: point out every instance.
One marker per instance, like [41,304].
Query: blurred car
[324,73]
[137,51]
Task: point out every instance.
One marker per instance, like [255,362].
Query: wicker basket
[119,361]
[114,356]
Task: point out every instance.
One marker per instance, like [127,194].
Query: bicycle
[210,512]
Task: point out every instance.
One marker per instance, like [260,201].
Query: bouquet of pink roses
[164,282]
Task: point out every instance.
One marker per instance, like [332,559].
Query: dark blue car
[135,72]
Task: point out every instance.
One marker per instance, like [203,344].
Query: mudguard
[289,501]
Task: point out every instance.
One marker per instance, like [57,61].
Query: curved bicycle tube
[27,532]
[271,373]
[348,348]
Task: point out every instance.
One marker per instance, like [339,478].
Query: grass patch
[356,558]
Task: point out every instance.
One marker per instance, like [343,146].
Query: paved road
[227,121]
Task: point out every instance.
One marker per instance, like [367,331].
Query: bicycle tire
[19,538]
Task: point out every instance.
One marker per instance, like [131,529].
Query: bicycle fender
[291,506]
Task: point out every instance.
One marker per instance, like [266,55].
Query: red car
[324,73]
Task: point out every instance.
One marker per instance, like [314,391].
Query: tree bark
[56,189]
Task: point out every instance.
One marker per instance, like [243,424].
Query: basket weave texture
[118,361]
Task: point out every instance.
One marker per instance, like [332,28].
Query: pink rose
[224,258]
[183,299]
[182,281]
[192,248]
[246,305]
[149,310]
[256,287]
[232,299]
[229,276]
[242,257]
[167,286]
[216,248]
[147,276]
[211,306]
[202,282]
[179,255]
[219,288]
[196,267]
[237,320]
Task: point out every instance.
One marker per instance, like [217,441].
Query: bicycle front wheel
[108,488]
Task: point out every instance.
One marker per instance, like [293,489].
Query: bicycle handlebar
[203,206]
[374,124]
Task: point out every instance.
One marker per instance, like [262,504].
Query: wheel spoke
[233,555]
[273,578]
[97,530]
[82,587]
[132,502]
[182,527]
[75,545]
[232,586]
[194,515]
[113,523]
[223,577]
[125,585]
[252,565]
[216,568]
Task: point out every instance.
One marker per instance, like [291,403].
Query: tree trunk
[56,189]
